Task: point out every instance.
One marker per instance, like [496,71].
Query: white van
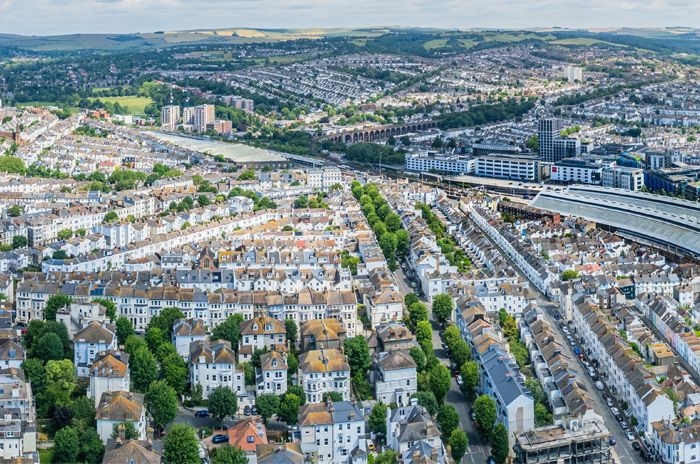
[599,385]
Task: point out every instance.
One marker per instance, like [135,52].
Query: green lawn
[135,104]
[46,456]
[435,43]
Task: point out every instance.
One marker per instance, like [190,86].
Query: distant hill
[388,39]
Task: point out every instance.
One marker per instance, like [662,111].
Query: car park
[219,438]
[201,413]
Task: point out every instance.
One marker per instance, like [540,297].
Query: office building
[573,73]
[578,171]
[169,117]
[433,162]
[552,146]
[623,177]
[501,166]
[203,115]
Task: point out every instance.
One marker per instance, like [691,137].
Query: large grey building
[553,147]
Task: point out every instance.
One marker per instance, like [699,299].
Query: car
[490,460]
[557,316]
[624,425]
[246,411]
[565,329]
[370,446]
[609,402]
[615,411]
[472,415]
[630,435]
[612,441]
[636,445]
[571,342]
[254,410]
[580,356]
[201,413]
[460,382]
[219,438]
[599,385]
[577,351]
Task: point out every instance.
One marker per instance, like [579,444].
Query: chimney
[121,432]
[434,455]
[149,433]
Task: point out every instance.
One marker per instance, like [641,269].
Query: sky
[49,17]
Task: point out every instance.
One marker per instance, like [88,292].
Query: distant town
[394,246]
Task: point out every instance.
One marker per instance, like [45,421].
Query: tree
[289,408]
[48,347]
[410,299]
[222,403]
[387,457]
[144,369]
[229,330]
[417,312]
[393,222]
[161,402]
[440,381]
[267,405]
[377,419]
[124,329]
[60,381]
[470,378]
[332,396]
[15,210]
[84,411]
[134,343]
[418,356]
[248,174]
[154,338]
[290,326]
[165,320]
[130,432]
[536,390]
[110,217]
[542,415]
[357,351]
[428,401]
[458,444]
[569,274]
[19,241]
[91,447]
[424,333]
[442,307]
[64,234]
[66,445]
[402,242]
[485,412]
[298,390]
[228,455]
[447,419]
[499,445]
[174,371]
[181,445]
[460,353]
[53,304]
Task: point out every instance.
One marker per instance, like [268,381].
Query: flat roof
[234,151]
[557,435]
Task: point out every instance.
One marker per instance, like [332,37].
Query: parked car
[254,410]
[615,411]
[624,425]
[630,435]
[612,441]
[460,382]
[636,446]
[490,460]
[472,415]
[599,385]
[246,411]
[201,413]
[609,402]
[557,316]
[219,438]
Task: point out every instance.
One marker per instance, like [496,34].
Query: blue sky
[44,17]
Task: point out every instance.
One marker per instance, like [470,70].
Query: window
[250,439]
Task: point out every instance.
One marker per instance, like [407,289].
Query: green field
[135,104]
[435,43]
[467,43]
[583,41]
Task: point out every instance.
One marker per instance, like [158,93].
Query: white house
[212,365]
[260,333]
[395,377]
[109,373]
[118,407]
[186,331]
[407,426]
[12,354]
[272,375]
[331,432]
[322,371]
[90,341]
